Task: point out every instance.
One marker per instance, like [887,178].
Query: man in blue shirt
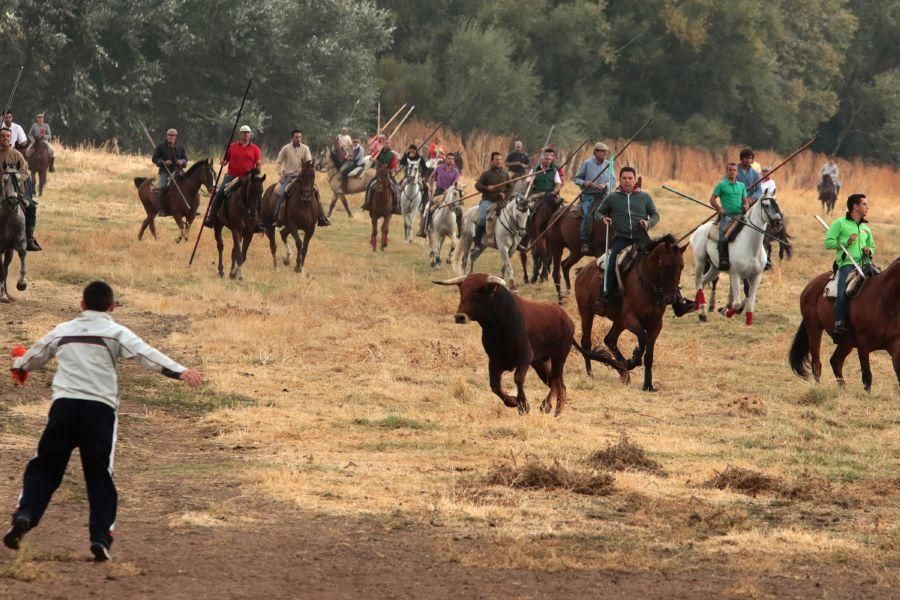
[748,176]
[596,179]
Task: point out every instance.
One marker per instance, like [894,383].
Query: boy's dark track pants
[89,426]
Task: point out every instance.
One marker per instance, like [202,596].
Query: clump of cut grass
[394,422]
[745,481]
[535,475]
[626,455]
[815,396]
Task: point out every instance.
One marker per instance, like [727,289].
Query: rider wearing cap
[169,156]
[595,177]
[241,157]
[41,131]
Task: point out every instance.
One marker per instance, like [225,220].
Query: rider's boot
[724,263]
[479,238]
[585,247]
[366,198]
[31,244]
[602,302]
[210,219]
[323,218]
[682,305]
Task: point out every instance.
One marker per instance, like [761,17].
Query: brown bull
[517,333]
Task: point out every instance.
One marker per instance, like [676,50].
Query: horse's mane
[194,167]
[668,239]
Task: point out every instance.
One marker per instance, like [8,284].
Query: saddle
[855,283]
[734,228]
[625,262]
[490,229]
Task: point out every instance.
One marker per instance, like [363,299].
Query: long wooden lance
[389,121]
[560,213]
[846,252]
[212,193]
[347,120]
[756,183]
[544,147]
[402,121]
[713,208]
[168,170]
[12,92]
[378,119]
[441,124]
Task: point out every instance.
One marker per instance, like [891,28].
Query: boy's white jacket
[86,349]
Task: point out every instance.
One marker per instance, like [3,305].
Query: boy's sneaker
[100,551]
[20,527]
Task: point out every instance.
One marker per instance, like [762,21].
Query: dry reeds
[535,475]
[625,455]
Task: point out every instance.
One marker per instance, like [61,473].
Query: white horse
[443,224]
[410,199]
[508,232]
[747,258]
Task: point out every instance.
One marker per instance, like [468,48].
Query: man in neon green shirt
[735,203]
[851,232]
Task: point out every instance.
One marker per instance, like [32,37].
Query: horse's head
[411,171]
[207,175]
[253,188]
[10,188]
[382,172]
[771,211]
[664,263]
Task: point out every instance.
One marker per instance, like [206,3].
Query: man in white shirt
[767,186]
[83,412]
[19,140]
[290,161]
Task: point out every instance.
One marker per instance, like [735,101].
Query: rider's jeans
[724,222]
[842,303]
[587,221]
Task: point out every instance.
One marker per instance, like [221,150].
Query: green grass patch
[395,422]
[156,391]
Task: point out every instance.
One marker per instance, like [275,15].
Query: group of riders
[13,143]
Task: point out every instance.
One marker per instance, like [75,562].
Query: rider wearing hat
[241,157]
[596,178]
[14,164]
[169,156]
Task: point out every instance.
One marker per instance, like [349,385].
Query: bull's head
[475,291]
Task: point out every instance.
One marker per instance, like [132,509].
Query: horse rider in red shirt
[242,157]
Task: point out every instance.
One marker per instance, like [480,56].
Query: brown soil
[169,467]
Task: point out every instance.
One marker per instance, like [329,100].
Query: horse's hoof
[231,276]
[221,275]
[298,269]
[286,261]
[523,407]
[649,388]
[702,317]
[5,299]
[545,407]
[21,286]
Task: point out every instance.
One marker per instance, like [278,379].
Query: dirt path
[188,528]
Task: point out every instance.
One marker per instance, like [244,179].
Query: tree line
[766,73]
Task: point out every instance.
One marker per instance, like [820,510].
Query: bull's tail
[601,356]
[799,354]
[138,181]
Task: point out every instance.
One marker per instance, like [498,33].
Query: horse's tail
[601,356]
[799,354]
[138,181]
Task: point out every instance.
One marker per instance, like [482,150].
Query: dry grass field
[355,395]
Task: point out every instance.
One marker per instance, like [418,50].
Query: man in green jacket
[735,202]
[854,235]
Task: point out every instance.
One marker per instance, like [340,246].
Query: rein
[517,230]
[657,291]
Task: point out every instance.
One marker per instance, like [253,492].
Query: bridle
[657,290]
[520,203]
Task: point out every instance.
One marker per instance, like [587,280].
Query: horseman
[344,141]
[831,169]
[767,186]
[435,153]
[355,158]
[388,158]
[853,233]
[494,188]
[19,140]
[517,162]
[748,175]
[443,177]
[241,157]
[288,164]
[595,178]
[41,131]
[169,156]
[15,165]
[632,214]
[412,157]
[733,195]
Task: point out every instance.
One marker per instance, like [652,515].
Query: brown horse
[381,206]
[649,287]
[565,234]
[301,212]
[200,174]
[239,214]
[828,193]
[874,313]
[39,164]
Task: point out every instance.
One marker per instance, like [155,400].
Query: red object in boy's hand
[19,376]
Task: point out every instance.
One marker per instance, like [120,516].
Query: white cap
[245,128]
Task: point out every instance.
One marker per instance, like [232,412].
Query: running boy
[83,412]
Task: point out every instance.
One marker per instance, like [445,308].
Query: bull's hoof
[625,377]
[21,286]
[231,275]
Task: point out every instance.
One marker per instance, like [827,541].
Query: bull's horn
[495,279]
[454,281]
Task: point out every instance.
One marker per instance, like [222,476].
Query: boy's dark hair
[98,296]
[627,170]
[854,200]
[746,153]
[493,154]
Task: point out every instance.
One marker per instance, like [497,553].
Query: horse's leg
[557,382]
[385,224]
[22,283]
[751,298]
[374,239]
[495,374]
[506,271]
[734,292]
[557,259]
[611,340]
[235,252]
[523,257]
[587,323]
[220,245]
[574,257]
[144,225]
[5,260]
[837,361]
[181,228]
[712,293]
[862,350]
[699,272]
[246,238]
[814,335]
[652,334]
[270,233]
[301,249]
